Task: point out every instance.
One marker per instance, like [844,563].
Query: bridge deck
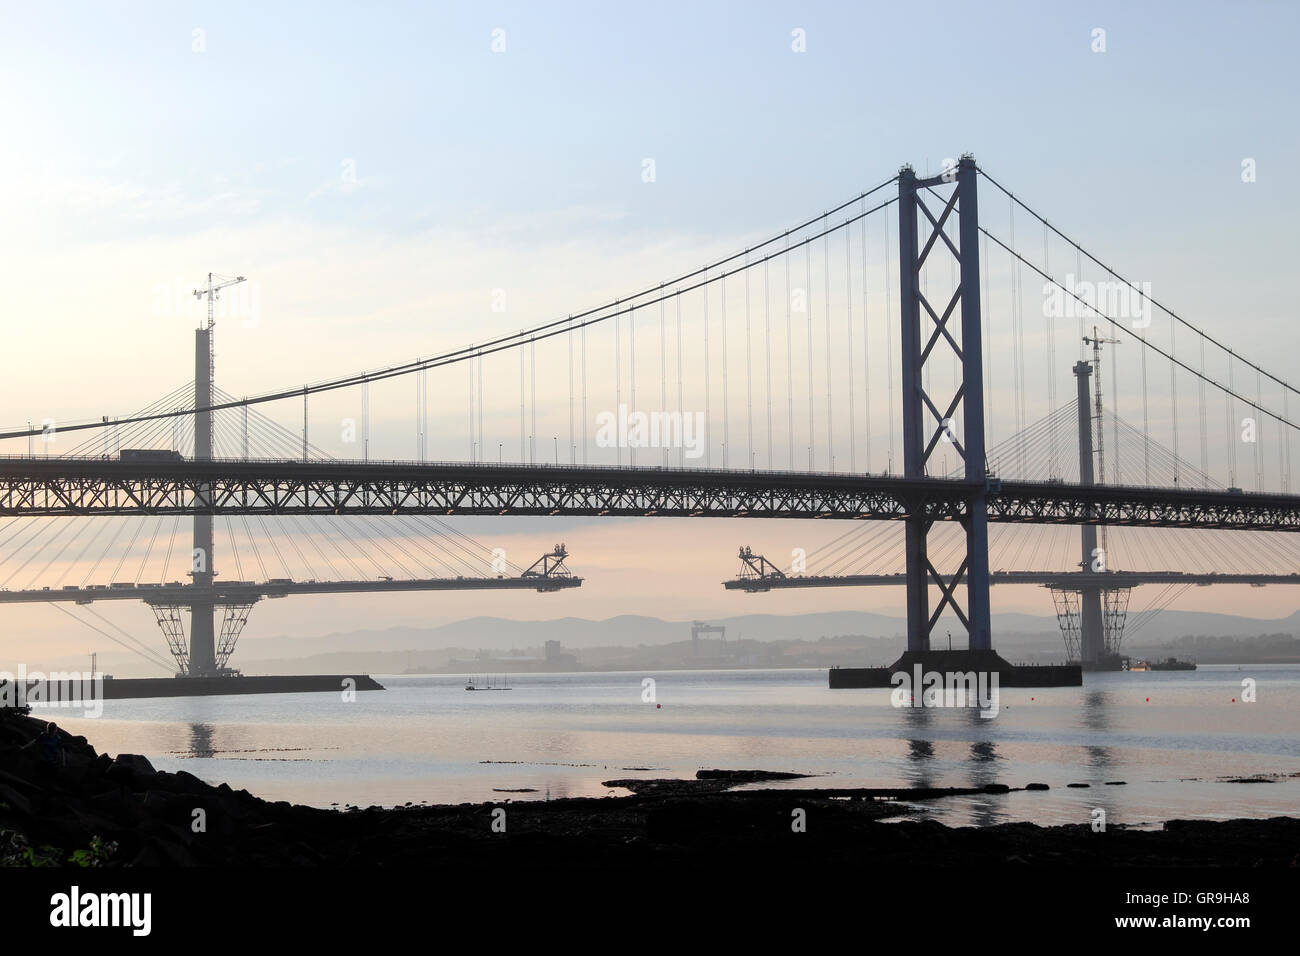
[84,486]
[247,592]
[1072,580]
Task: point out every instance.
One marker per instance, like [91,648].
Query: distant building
[557,659]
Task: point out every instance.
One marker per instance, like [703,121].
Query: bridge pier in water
[928,425]
[925,427]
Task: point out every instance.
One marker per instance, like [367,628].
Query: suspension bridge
[856,366]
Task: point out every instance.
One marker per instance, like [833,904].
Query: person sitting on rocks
[49,746]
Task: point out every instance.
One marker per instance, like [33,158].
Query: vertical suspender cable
[1146,423]
[523,442]
[1173,393]
[1230,408]
[1017,350]
[583,344]
[767,335]
[807,303]
[1054,464]
[1259,430]
[1281,455]
[866,353]
[749,375]
[708,398]
[726,398]
[1114,413]
[826,270]
[889,346]
[631,372]
[532,399]
[681,404]
[848,326]
[618,381]
[663,365]
[789,358]
[1286,433]
[986,336]
[365,420]
[1205,447]
[572,446]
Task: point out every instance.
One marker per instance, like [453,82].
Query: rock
[15,799]
[1037,786]
[134,764]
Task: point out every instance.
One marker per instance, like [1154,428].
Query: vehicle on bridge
[149,454]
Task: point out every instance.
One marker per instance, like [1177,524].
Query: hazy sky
[377,170]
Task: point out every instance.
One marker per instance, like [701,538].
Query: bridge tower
[1094,626]
[926,424]
[203,642]
[1093,560]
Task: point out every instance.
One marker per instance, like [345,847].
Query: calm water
[427,739]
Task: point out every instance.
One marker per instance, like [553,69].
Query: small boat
[1138,665]
[1173,664]
[487,684]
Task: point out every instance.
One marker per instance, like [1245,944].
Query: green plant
[95,855]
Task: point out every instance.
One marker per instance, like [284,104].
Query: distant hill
[1201,636]
[1013,631]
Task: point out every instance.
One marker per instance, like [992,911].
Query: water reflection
[984,760]
[201,740]
[920,751]
[924,765]
[1097,705]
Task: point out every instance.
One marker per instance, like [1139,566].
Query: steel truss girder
[91,486]
[172,624]
[36,487]
[1068,617]
[233,620]
[1114,614]
[1075,581]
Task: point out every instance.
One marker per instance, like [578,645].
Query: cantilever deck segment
[243,592]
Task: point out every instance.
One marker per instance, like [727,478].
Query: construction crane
[215,284]
[703,627]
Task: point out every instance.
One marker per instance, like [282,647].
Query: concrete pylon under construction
[1092,642]
[203,644]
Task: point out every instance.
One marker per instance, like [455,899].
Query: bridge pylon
[929,423]
[203,638]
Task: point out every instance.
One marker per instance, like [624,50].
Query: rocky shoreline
[102,811]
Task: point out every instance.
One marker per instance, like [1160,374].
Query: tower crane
[215,284]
